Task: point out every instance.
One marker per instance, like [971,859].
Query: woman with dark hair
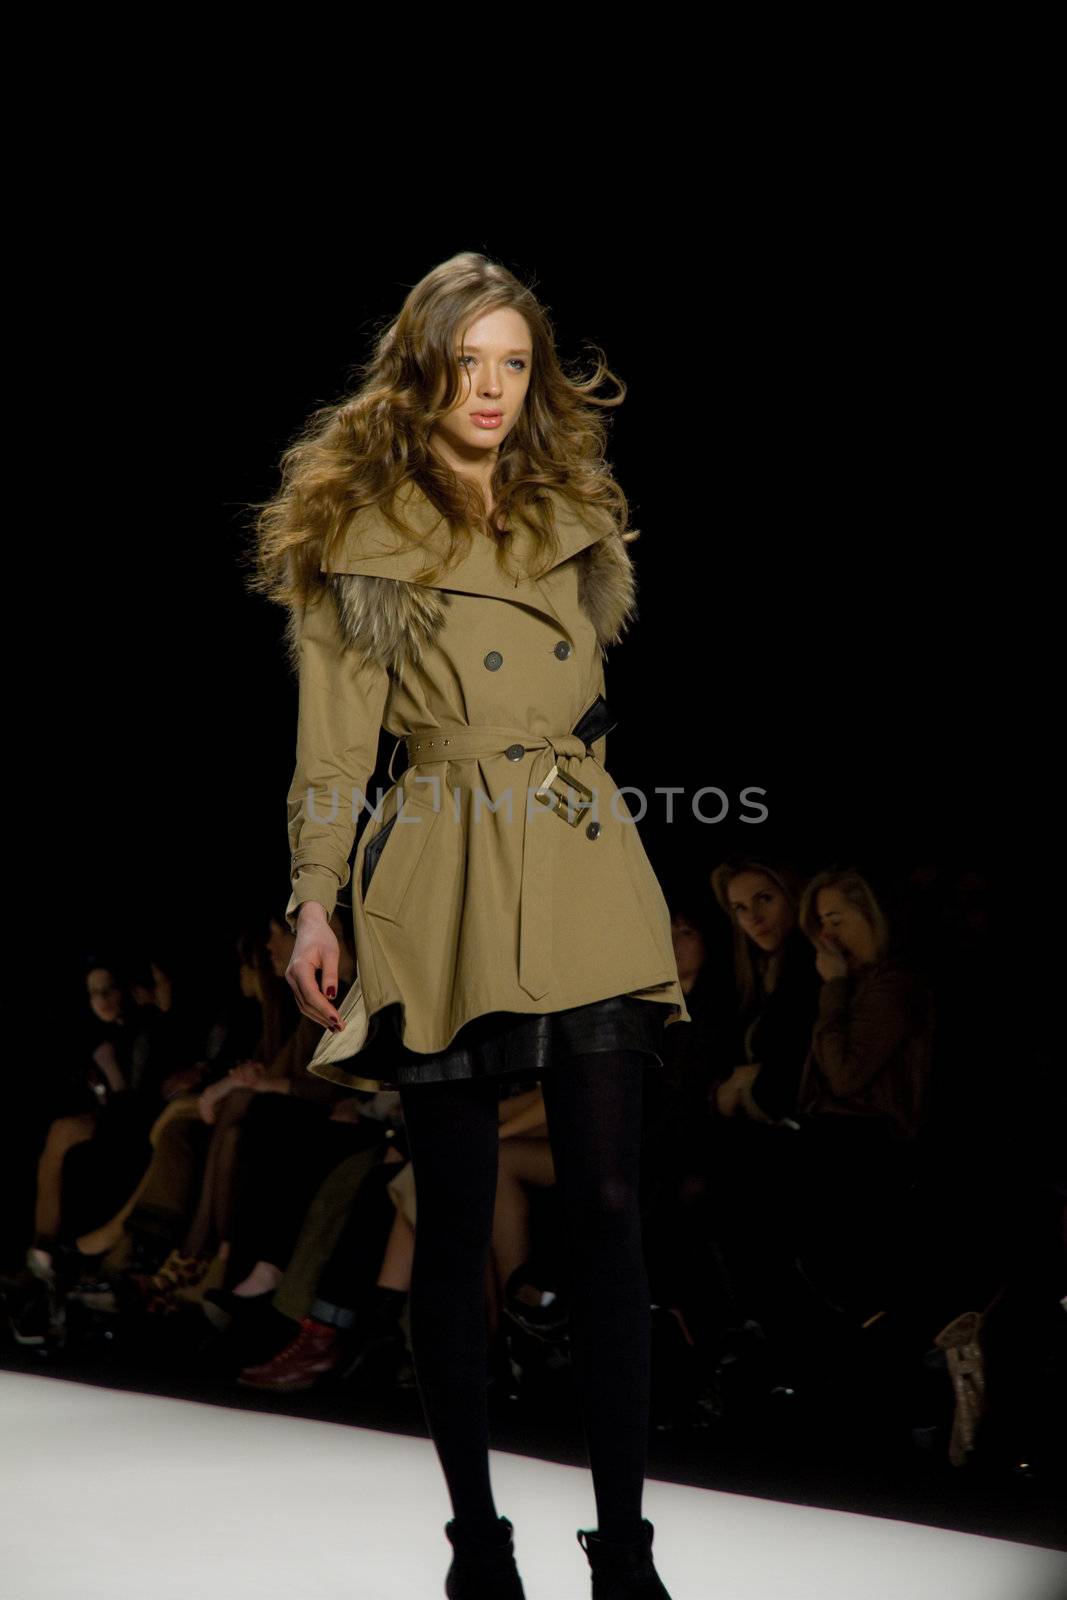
[776,988]
[133,1041]
[253,1025]
[747,1134]
[452,548]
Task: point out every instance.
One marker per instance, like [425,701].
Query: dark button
[563,650]
[494,660]
[593,830]
[515,752]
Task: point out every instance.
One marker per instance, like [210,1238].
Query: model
[452,550]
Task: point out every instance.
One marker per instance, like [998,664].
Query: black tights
[593,1106]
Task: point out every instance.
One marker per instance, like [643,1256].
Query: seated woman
[199,1262]
[777,988]
[864,1094]
[747,1134]
[133,1040]
[249,1024]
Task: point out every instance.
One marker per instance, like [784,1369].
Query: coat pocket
[392,857]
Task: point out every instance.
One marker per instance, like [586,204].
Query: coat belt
[556,785]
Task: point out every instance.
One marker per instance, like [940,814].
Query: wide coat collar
[390,617]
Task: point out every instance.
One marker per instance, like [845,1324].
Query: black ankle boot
[623,1571]
[483,1569]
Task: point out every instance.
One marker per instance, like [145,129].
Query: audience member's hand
[829,962]
[106,1059]
[248,1074]
[746,1102]
[183,1081]
[162,989]
[722,1097]
[213,1095]
[729,1093]
[347,1110]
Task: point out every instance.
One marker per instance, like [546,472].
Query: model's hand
[315,952]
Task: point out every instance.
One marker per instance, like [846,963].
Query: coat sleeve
[342,697]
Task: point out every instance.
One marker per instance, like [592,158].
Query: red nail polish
[330,993]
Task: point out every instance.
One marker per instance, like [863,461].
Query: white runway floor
[110,1494]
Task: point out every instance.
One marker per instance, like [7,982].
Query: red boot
[313,1353]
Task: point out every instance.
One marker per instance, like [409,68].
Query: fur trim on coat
[392,620]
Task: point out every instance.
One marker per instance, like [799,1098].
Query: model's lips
[487,419]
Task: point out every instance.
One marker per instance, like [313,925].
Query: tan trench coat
[476,897]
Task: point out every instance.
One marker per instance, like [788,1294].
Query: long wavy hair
[755,970]
[361,449]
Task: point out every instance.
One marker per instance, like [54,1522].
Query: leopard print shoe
[157,1289]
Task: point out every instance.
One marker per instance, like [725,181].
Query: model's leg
[452,1129]
[593,1104]
[523,1163]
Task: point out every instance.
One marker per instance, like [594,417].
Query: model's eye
[513,360]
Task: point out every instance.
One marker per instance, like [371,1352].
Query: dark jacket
[871,1048]
[779,1036]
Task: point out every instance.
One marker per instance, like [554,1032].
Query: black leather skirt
[509,1045]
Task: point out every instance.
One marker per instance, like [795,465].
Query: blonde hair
[858,892]
[754,969]
[361,449]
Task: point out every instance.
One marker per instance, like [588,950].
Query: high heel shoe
[623,1571]
[483,1569]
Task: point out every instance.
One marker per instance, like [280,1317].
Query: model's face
[688,944]
[105,996]
[845,928]
[494,359]
[763,912]
[280,947]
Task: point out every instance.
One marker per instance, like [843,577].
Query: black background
[822,443]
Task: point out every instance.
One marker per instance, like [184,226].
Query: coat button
[515,752]
[593,830]
[494,660]
[562,650]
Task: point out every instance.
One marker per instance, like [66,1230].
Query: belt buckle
[559,801]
